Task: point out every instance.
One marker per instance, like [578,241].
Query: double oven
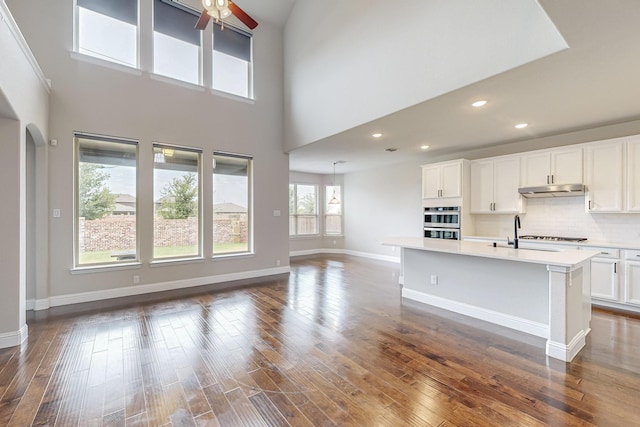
[442,222]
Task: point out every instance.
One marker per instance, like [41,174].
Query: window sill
[232,96]
[306,236]
[104,63]
[175,261]
[104,268]
[223,257]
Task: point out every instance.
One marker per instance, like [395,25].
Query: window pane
[176,58]
[107,38]
[306,199]
[307,224]
[106,201]
[176,180]
[230,74]
[231,204]
[176,43]
[333,211]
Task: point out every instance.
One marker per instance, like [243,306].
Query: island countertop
[563,258]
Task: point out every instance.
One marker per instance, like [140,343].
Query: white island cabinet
[543,293]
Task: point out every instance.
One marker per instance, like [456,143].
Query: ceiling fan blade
[242,16]
[203,21]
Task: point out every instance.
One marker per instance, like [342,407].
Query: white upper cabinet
[633,175]
[494,185]
[562,166]
[442,180]
[604,176]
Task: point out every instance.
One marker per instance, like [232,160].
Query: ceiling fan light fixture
[225,13]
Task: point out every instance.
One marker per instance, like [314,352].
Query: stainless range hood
[566,190]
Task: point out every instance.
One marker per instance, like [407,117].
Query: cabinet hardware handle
[604,253]
[589,204]
[552,179]
[547,179]
[615,267]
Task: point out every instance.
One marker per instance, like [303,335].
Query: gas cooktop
[555,238]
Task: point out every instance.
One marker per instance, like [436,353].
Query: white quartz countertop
[562,258]
[586,244]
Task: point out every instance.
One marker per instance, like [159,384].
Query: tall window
[303,209]
[176,43]
[105,194]
[108,30]
[176,195]
[231,203]
[231,60]
[333,210]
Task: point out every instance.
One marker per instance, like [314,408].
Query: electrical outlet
[56,213]
[136,279]
[434,279]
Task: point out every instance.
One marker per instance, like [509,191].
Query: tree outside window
[303,209]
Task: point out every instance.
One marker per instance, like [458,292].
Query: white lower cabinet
[604,279]
[632,278]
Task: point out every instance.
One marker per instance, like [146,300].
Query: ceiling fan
[220,9]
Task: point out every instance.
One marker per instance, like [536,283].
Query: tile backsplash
[563,217]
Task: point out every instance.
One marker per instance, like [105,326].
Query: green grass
[102,257]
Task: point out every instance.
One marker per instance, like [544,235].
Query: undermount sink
[502,245]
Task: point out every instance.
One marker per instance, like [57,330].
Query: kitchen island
[544,293]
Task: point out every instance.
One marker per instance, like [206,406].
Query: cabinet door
[632,283]
[604,279]
[566,166]
[506,180]
[604,177]
[431,182]
[535,169]
[482,186]
[451,180]
[633,176]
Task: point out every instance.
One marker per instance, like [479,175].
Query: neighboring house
[125,205]
[229,209]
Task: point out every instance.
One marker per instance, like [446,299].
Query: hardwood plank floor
[332,344]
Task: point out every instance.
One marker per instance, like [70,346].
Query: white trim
[162,286]
[566,352]
[105,63]
[30,304]
[513,322]
[12,339]
[41,304]
[6,16]
[345,252]
[615,305]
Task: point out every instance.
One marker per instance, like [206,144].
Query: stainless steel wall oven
[442,222]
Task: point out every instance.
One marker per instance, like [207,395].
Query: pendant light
[334,200]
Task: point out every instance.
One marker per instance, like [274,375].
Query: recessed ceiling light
[521,125]
[376,135]
[424,147]
[479,103]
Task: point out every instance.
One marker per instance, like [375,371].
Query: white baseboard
[30,304]
[345,252]
[12,339]
[566,352]
[59,300]
[513,322]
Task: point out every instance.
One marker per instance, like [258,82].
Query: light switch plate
[56,213]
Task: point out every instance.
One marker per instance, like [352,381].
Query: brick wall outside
[119,232]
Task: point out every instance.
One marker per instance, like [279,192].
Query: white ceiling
[594,82]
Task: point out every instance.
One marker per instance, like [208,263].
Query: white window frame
[295,215]
[200,245]
[326,215]
[76,38]
[76,210]
[250,248]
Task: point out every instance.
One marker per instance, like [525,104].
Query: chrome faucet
[516,225]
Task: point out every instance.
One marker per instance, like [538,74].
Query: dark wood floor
[331,345]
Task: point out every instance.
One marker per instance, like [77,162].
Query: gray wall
[99,99]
